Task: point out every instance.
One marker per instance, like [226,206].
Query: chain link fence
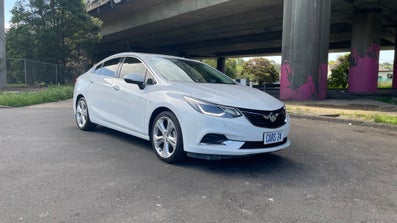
[30,72]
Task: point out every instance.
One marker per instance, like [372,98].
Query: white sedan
[182,106]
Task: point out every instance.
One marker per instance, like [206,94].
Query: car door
[128,101]
[102,83]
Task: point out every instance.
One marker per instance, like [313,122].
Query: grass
[25,98]
[378,118]
[385,119]
[381,85]
[17,85]
[385,85]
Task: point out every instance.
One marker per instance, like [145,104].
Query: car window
[132,66]
[149,79]
[108,68]
[98,69]
[188,71]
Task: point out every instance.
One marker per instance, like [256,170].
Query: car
[182,106]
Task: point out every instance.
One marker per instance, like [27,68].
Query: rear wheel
[166,138]
[82,116]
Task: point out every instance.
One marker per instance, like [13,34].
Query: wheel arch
[178,153]
[78,98]
[154,115]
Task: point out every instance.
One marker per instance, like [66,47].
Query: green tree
[233,66]
[260,70]
[210,62]
[53,31]
[339,72]
[386,65]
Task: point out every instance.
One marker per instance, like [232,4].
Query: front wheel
[82,116]
[166,138]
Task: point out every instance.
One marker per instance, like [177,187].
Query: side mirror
[135,79]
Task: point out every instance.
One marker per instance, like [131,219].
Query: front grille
[260,145]
[262,118]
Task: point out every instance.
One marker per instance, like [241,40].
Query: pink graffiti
[363,75]
[285,91]
[308,90]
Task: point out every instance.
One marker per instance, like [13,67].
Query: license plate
[273,137]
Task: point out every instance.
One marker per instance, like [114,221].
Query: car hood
[229,95]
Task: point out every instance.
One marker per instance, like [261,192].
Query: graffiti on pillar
[288,91]
[307,90]
[363,75]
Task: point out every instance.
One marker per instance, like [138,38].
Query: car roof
[125,54]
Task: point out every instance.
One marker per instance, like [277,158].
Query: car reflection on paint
[182,106]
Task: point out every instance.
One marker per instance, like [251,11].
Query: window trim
[144,64]
[116,72]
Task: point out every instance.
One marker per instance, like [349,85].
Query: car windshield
[188,71]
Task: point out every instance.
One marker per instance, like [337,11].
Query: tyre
[166,138]
[82,116]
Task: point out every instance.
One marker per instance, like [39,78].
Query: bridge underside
[220,28]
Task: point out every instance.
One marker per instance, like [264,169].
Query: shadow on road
[256,164]
[138,142]
[270,163]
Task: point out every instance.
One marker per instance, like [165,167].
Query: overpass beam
[221,64]
[305,41]
[394,83]
[365,47]
[3,67]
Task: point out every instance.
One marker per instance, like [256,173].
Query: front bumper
[241,137]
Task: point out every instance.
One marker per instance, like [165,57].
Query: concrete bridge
[304,31]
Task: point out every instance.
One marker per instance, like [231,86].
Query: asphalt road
[52,172]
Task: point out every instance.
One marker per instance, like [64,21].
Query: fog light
[214,139]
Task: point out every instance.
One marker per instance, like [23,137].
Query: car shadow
[138,142]
[269,163]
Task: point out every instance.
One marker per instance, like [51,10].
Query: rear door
[102,83]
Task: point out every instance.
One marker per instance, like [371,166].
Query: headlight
[211,109]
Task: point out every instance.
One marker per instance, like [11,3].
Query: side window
[108,68]
[132,66]
[98,69]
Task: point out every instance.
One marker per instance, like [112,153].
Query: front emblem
[272,117]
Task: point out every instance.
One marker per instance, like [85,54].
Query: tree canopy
[260,70]
[340,72]
[53,31]
[233,66]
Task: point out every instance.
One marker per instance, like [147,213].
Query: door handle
[91,81]
[116,87]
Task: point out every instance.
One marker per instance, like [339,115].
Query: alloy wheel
[165,137]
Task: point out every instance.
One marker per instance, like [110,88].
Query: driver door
[128,101]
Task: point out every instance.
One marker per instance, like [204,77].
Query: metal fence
[30,72]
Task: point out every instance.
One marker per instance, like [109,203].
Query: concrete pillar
[394,83]
[365,47]
[306,27]
[3,71]
[221,64]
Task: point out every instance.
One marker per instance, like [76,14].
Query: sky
[8,5]
[385,55]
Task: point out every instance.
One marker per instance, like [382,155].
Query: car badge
[272,117]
